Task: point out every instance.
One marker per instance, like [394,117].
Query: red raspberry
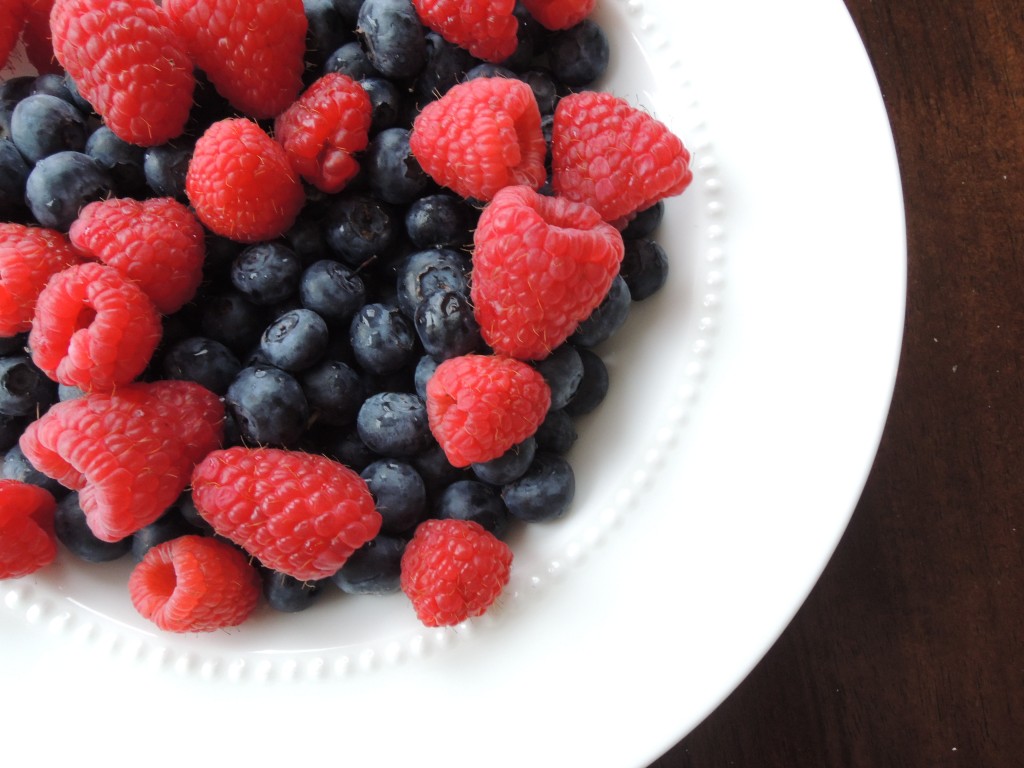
[157,243]
[128,453]
[322,131]
[614,157]
[128,63]
[36,35]
[541,265]
[93,328]
[194,584]
[486,28]
[29,256]
[241,184]
[479,406]
[27,541]
[453,570]
[298,513]
[559,14]
[12,19]
[480,136]
[252,52]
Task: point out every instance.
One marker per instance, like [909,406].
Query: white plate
[747,402]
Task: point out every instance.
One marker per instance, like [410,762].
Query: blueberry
[42,125]
[428,271]
[386,103]
[435,469]
[532,38]
[165,167]
[358,227]
[544,89]
[345,446]
[123,161]
[446,325]
[287,594]
[13,175]
[509,466]
[609,316]
[295,340]
[579,55]
[69,523]
[383,339]
[53,84]
[268,406]
[487,69]
[24,389]
[446,64]
[393,37]
[170,525]
[424,370]
[394,424]
[545,492]
[187,508]
[399,492]
[233,320]
[349,10]
[351,59]
[476,501]
[593,388]
[205,361]
[557,433]
[326,30]
[267,273]
[563,372]
[11,428]
[332,290]
[374,568]
[11,344]
[645,222]
[61,184]
[16,466]
[334,391]
[440,220]
[644,268]
[14,89]
[394,175]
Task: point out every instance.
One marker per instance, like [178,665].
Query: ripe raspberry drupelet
[29,257]
[27,541]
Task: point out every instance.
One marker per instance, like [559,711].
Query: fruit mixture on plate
[299,295]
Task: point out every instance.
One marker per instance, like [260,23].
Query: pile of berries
[300,295]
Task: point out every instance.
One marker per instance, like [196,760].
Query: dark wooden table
[910,650]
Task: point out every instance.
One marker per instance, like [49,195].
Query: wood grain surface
[910,650]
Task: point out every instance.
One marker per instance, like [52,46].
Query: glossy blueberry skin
[644,268]
[204,361]
[383,339]
[645,222]
[334,391]
[393,37]
[332,290]
[61,184]
[428,271]
[393,173]
[374,568]
[42,125]
[557,433]
[440,220]
[123,161]
[510,466]
[13,175]
[287,594]
[268,406]
[445,66]
[359,227]
[447,326]
[74,533]
[399,492]
[544,492]
[267,273]
[610,315]
[233,320]
[594,386]
[345,446]
[350,59]
[24,389]
[165,167]
[394,424]
[295,341]
[326,30]
[474,500]
[579,55]
[387,103]
[563,372]
[437,472]
[421,375]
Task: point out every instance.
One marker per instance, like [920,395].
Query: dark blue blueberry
[170,525]
[69,523]
[13,175]
[394,424]
[77,98]
[334,391]
[123,161]
[557,433]
[446,325]
[14,89]
[358,227]
[296,340]
[531,37]
[487,69]
[351,59]
[186,506]
[42,125]
[383,339]
[399,492]
[435,469]
[579,55]
[11,428]
[593,388]
[476,501]
[53,84]
[424,370]
[24,389]
[544,89]
[220,255]
[545,492]
[349,10]
[60,185]
[509,466]
[326,30]
[208,106]
[233,320]
[563,371]
[345,446]
[393,37]
[17,467]
[428,271]
[440,220]
[374,568]
[267,273]
[644,268]
[12,344]
[609,316]
[332,290]
[204,361]
[645,222]
[268,406]
[394,175]
[386,102]
[307,239]
[166,166]
[445,66]
[287,594]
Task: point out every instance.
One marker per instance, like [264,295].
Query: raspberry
[480,136]
[299,513]
[36,36]
[559,14]
[29,256]
[453,570]
[241,184]
[479,406]
[157,243]
[252,52]
[541,265]
[615,157]
[12,19]
[128,63]
[486,28]
[324,128]
[128,453]
[93,328]
[194,584]
[27,540]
